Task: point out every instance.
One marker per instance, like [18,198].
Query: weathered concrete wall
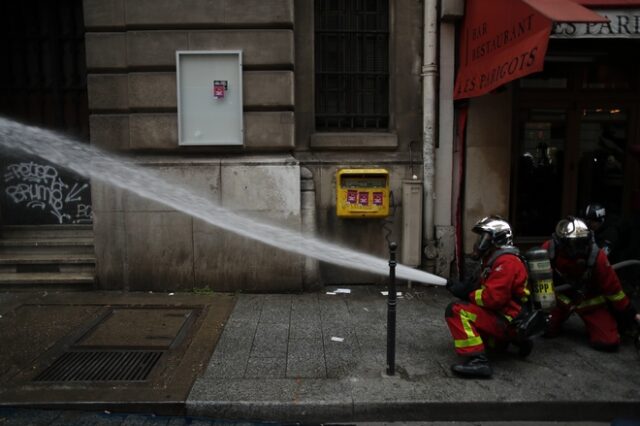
[488,160]
[130,55]
[145,245]
[131,48]
[365,235]
[325,153]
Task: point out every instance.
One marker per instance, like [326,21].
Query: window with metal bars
[352,65]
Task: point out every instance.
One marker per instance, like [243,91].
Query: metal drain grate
[101,366]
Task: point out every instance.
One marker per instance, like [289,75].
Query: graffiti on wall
[41,187]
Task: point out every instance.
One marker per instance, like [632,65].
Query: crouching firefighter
[490,306]
[586,283]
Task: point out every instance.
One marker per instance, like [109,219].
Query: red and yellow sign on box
[362,193]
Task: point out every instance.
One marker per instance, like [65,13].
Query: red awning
[502,40]
[610,3]
[565,11]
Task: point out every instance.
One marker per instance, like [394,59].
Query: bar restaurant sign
[502,40]
[623,23]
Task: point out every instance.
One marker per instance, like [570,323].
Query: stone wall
[364,235]
[324,153]
[488,160]
[130,55]
[131,48]
[145,245]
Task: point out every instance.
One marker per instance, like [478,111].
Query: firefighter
[605,233]
[586,283]
[487,306]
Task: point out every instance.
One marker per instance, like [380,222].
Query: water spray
[122,172]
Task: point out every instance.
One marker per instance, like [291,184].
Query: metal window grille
[352,64]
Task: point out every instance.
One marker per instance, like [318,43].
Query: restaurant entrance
[576,135]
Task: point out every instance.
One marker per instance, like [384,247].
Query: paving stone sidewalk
[321,357]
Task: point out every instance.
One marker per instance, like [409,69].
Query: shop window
[607,76]
[554,76]
[560,171]
[351,65]
[576,146]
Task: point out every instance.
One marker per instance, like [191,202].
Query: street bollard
[391,311]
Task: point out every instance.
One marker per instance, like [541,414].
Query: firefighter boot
[474,366]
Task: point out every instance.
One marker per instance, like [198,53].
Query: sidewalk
[314,358]
[296,358]
[114,351]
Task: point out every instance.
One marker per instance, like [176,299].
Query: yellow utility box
[362,193]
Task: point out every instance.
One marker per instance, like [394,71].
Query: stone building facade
[327,85]
[285,170]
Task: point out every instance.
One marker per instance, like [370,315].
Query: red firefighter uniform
[597,287]
[491,307]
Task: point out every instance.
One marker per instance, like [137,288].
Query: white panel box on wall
[411,254]
[209,97]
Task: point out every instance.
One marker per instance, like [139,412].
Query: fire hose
[616,266]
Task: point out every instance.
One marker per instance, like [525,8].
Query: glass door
[568,158]
[539,182]
[576,136]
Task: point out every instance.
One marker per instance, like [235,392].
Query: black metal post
[391,311]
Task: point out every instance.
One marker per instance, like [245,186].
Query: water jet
[122,172]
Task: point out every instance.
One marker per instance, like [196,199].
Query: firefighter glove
[460,289]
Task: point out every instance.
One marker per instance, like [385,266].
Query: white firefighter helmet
[493,232]
[573,236]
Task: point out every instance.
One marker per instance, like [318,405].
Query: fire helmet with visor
[595,212]
[493,232]
[573,237]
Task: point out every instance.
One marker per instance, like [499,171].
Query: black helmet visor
[576,247]
[482,244]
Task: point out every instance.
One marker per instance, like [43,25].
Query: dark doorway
[43,83]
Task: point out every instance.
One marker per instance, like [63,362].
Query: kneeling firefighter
[488,306]
[587,284]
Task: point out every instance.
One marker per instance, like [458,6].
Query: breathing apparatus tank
[541,279]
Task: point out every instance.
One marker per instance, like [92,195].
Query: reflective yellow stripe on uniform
[466,318]
[592,302]
[477,295]
[527,293]
[465,343]
[564,299]
[616,297]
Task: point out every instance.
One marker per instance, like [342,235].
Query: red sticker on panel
[218,90]
[377,198]
[363,198]
[352,196]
